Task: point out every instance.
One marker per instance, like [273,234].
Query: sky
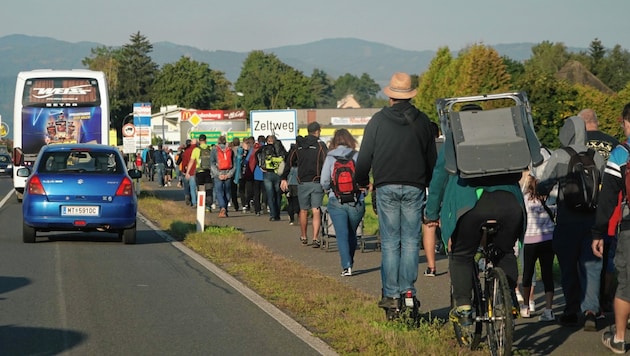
[246,25]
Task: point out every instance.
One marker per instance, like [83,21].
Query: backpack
[581,185]
[224,158]
[204,158]
[342,180]
[268,159]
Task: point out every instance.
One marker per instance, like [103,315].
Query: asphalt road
[87,294]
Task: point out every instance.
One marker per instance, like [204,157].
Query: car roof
[80,146]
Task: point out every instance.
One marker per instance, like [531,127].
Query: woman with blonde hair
[345,216]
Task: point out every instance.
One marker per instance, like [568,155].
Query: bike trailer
[498,140]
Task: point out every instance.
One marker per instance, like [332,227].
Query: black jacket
[398,146]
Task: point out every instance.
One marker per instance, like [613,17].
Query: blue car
[79,187]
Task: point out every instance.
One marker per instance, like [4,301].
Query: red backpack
[224,158]
[342,180]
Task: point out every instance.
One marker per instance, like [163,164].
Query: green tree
[481,71]
[268,83]
[547,58]
[552,100]
[191,84]
[136,74]
[596,53]
[615,69]
[107,60]
[364,89]
[514,68]
[322,88]
[436,82]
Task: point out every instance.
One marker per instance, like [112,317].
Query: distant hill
[335,56]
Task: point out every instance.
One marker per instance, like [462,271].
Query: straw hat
[400,87]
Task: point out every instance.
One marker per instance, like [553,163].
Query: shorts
[310,195]
[621,265]
[204,178]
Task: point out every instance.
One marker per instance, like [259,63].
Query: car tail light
[80,223]
[35,186]
[125,188]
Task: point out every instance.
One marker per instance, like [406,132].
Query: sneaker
[229,204]
[213,206]
[525,311]
[430,272]
[244,210]
[347,272]
[519,297]
[208,209]
[608,339]
[461,315]
[568,320]
[391,306]
[292,222]
[590,321]
[532,306]
[223,213]
[547,315]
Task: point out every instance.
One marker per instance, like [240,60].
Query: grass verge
[346,318]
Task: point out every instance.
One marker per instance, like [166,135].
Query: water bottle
[482,264]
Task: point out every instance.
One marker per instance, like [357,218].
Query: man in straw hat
[399,148]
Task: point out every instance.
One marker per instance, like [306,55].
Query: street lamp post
[163,111]
[239,95]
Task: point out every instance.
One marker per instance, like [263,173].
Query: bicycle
[492,303]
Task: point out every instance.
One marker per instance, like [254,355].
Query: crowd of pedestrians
[410,184]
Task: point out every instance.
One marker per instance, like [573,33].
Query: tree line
[267,83]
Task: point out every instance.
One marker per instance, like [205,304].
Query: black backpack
[580,188]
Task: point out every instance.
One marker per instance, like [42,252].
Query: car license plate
[79,210]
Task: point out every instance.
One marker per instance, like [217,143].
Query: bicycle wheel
[470,335]
[501,322]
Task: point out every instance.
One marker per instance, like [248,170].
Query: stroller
[328,231]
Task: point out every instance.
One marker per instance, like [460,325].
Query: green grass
[346,318]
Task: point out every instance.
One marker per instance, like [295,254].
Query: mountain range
[336,57]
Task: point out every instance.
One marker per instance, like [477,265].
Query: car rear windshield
[81,162]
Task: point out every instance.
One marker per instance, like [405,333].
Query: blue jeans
[346,219]
[190,188]
[399,215]
[159,167]
[222,190]
[274,195]
[580,269]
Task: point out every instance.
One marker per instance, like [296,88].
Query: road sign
[281,123]
[4,129]
[129,145]
[129,130]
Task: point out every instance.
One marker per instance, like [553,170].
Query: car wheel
[129,236]
[19,196]
[28,234]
